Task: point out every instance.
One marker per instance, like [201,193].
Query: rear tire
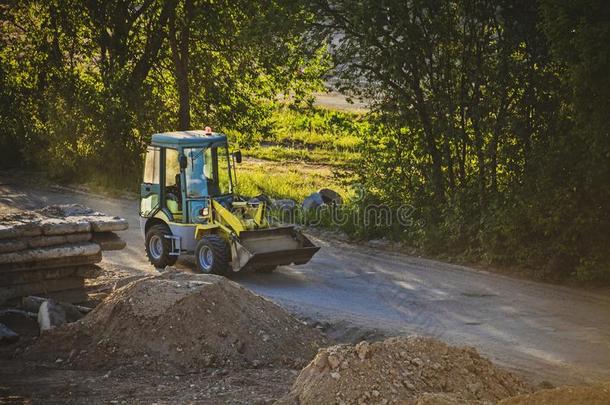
[212,255]
[158,246]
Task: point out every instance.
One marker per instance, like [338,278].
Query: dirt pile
[402,370]
[184,320]
[590,395]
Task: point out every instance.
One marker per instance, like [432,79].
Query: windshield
[208,172]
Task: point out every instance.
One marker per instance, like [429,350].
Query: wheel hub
[206,258]
[155,246]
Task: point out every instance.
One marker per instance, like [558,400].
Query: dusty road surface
[543,332]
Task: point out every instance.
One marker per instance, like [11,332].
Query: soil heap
[184,320]
[402,370]
[598,394]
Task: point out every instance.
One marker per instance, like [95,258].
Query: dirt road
[544,332]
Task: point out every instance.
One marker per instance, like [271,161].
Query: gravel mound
[183,320]
[587,395]
[402,370]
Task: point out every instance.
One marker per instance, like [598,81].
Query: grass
[301,153]
[276,153]
[318,127]
[284,179]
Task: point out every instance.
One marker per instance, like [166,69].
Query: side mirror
[183,161]
[237,156]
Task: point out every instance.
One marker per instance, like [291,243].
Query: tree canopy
[86,83]
[491,121]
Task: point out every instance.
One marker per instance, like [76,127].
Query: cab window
[173,193]
[208,172]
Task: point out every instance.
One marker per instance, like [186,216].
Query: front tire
[158,246]
[212,255]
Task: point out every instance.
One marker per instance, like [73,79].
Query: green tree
[86,83]
[485,122]
[232,58]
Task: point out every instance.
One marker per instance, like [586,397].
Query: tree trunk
[430,138]
[179,38]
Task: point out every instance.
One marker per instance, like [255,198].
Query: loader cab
[182,172]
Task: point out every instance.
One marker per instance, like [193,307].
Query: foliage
[317,127]
[284,179]
[314,155]
[491,120]
[313,135]
[84,84]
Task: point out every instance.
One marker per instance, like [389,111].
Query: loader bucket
[271,247]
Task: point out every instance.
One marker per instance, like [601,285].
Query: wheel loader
[188,205]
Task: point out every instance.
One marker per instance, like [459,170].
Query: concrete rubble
[54,249]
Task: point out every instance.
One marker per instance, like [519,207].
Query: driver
[174,195]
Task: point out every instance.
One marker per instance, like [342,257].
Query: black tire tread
[166,259]
[222,254]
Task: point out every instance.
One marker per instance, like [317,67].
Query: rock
[66,210]
[333,362]
[474,387]
[362,349]
[48,253]
[314,200]
[7,336]
[330,197]
[321,360]
[108,224]
[53,313]
[417,362]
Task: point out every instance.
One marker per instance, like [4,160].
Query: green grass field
[295,180]
[303,153]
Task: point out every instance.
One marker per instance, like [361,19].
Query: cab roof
[193,138]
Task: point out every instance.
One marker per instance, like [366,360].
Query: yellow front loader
[188,207]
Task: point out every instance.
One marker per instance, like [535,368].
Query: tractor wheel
[266,269]
[213,255]
[158,246]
